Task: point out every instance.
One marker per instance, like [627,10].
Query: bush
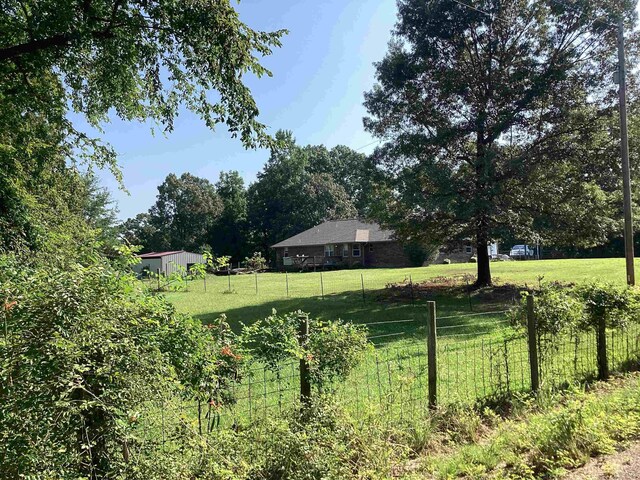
[333,348]
[556,310]
[86,350]
[256,262]
[617,304]
[419,253]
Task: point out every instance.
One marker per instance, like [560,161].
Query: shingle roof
[159,254]
[339,231]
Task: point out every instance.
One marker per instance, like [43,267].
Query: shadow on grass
[387,319]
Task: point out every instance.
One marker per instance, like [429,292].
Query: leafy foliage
[618,305]
[556,310]
[256,262]
[85,349]
[495,118]
[560,309]
[332,350]
[290,196]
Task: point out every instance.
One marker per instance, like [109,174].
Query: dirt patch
[454,286]
[624,465]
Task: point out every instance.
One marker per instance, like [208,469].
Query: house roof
[159,254]
[339,231]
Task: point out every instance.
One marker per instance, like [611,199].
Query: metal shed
[166,261]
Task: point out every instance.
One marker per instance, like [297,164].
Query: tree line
[298,188]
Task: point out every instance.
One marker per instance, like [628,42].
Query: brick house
[341,243]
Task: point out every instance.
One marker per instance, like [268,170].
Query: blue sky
[319,76]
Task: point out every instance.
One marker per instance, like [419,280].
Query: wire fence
[478,357]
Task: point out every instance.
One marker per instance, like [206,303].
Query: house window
[286,252]
[468,249]
[329,251]
[371,248]
[345,250]
[355,251]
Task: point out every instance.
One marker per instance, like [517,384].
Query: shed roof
[159,254]
[339,231]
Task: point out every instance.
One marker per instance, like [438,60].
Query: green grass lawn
[343,290]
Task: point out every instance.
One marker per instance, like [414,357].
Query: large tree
[186,209]
[229,235]
[483,107]
[289,197]
[348,168]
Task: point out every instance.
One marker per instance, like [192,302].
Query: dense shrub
[559,308]
[419,253]
[618,305]
[556,309]
[256,262]
[86,350]
[333,348]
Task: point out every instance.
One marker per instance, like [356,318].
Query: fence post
[601,343]
[158,270]
[286,279]
[229,277]
[256,274]
[431,354]
[533,345]
[204,279]
[362,285]
[305,382]
[321,286]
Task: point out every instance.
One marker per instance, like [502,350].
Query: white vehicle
[522,252]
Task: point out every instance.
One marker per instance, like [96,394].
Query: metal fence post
[601,345]
[431,354]
[533,345]
[362,285]
[305,381]
[229,278]
[321,286]
[158,270]
[256,274]
[286,279]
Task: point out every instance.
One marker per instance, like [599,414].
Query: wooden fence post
[286,279]
[533,345]
[305,381]
[256,283]
[431,354]
[158,270]
[362,285]
[204,279]
[321,286]
[601,344]
[229,277]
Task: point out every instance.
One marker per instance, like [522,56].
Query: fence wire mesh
[480,354]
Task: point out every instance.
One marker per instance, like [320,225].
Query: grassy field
[479,354]
[244,302]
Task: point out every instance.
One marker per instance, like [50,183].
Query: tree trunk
[482,212]
[484,262]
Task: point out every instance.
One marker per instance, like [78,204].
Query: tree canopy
[488,112]
[289,196]
[137,60]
